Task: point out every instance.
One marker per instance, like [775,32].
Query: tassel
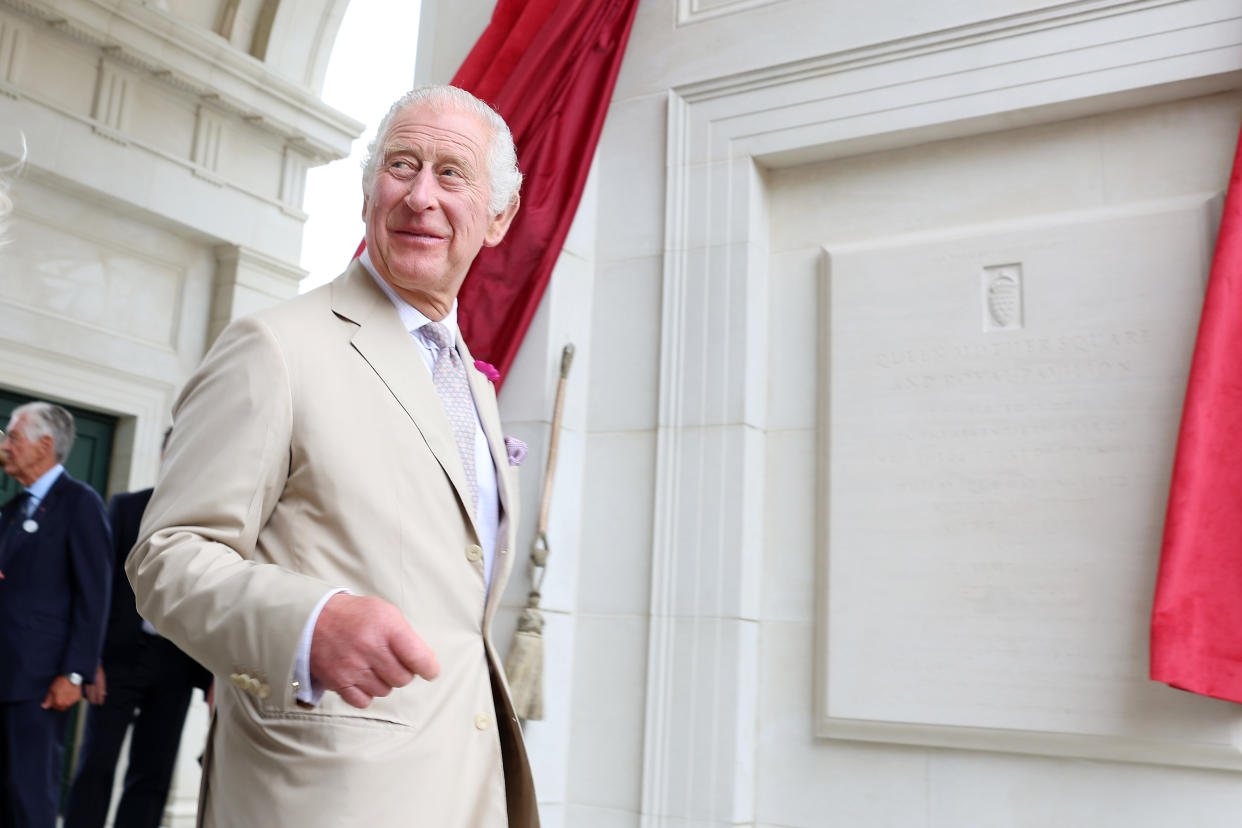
[524,666]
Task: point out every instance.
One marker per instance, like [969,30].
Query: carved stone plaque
[993,497]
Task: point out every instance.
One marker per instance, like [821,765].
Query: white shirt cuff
[309,690]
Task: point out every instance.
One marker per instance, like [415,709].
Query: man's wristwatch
[75,679]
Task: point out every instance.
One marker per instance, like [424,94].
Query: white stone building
[883,312]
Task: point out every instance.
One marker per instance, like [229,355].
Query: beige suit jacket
[310,451]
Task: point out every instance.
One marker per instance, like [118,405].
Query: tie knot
[22,501]
[436,334]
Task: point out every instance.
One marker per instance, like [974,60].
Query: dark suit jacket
[125,641]
[54,595]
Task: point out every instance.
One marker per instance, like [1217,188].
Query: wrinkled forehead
[441,122]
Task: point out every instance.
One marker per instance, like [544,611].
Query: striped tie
[449,377]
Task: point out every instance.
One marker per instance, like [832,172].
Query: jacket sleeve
[90,555]
[193,568]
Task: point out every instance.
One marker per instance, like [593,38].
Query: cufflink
[75,679]
[296,685]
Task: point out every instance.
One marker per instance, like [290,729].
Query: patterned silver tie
[449,376]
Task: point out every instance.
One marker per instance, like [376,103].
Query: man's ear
[500,223]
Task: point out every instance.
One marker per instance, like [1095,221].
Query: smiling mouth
[420,234]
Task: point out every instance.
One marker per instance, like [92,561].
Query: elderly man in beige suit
[334,521]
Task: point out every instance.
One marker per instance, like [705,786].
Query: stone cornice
[200,64]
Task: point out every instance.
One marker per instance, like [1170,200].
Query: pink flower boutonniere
[487,369]
[516,450]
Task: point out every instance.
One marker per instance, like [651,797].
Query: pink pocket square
[516,450]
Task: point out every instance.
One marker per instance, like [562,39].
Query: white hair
[43,419]
[503,177]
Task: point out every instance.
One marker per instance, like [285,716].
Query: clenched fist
[362,648]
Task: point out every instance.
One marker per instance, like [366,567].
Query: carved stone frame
[1067,60]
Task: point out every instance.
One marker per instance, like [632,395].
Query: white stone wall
[691,571]
[1077,169]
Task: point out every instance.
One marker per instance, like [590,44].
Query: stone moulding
[198,64]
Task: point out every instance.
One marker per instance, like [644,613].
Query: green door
[92,450]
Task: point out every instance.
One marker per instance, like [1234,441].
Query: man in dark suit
[144,681]
[55,564]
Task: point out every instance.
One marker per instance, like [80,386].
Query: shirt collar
[39,489]
[411,317]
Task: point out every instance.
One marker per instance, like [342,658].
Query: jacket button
[482,721]
[264,691]
[474,552]
[238,679]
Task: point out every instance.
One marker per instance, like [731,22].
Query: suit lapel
[51,500]
[9,510]
[13,535]
[385,344]
[9,519]
[485,402]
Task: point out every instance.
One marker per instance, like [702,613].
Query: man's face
[427,215]
[25,460]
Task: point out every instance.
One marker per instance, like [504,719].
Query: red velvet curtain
[1196,629]
[549,67]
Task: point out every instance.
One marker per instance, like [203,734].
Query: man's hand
[98,690]
[62,695]
[362,648]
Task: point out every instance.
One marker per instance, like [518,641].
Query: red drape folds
[549,67]
[1196,629]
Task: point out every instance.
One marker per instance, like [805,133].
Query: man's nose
[421,194]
